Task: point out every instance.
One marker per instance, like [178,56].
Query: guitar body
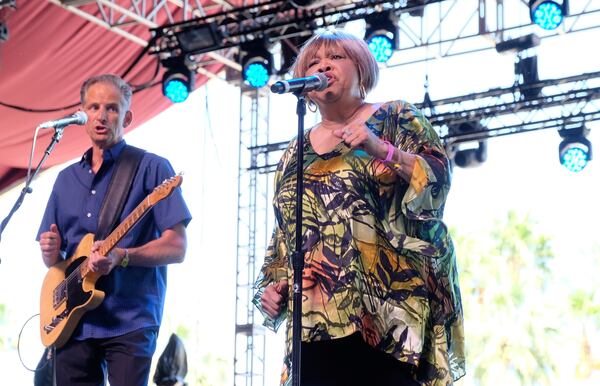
[66,296]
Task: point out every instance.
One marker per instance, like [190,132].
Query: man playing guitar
[117,338]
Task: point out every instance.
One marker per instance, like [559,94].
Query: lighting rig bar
[489,105]
[273,20]
[571,108]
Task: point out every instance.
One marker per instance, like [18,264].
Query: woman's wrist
[386,151]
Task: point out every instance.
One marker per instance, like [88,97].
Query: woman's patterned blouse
[378,258]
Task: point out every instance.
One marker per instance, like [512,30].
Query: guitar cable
[48,356]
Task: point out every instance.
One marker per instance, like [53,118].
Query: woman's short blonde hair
[356,49]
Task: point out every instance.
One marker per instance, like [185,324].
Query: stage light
[178,80]
[526,70]
[468,157]
[381,35]
[575,150]
[257,63]
[548,14]
[199,39]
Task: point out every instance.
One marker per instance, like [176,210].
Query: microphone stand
[297,256]
[58,132]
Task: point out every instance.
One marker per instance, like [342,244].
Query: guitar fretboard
[119,232]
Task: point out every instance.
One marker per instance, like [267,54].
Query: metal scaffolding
[252,231]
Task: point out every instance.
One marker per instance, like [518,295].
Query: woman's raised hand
[358,136]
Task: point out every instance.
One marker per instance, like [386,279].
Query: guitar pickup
[59,294]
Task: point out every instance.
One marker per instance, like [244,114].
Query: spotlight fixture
[548,14]
[526,71]
[469,158]
[257,63]
[178,79]
[575,150]
[381,35]
[526,68]
[199,39]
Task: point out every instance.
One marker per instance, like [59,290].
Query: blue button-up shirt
[134,295]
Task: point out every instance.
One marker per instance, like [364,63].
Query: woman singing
[381,302]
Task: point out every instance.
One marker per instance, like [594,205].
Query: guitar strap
[118,190]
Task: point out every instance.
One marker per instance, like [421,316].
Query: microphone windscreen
[81,117]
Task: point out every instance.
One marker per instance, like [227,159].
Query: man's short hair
[115,80]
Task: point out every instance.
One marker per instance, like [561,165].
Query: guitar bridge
[55,321]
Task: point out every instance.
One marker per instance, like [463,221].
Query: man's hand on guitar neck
[104,264]
[50,245]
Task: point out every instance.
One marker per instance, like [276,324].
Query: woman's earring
[363,92]
[312,106]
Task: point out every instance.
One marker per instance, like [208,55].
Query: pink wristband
[390,152]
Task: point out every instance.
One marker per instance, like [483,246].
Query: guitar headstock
[165,189]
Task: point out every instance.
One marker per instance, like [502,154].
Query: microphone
[78,118]
[317,82]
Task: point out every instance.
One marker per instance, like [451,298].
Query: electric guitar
[68,290]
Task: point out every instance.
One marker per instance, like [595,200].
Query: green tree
[512,318]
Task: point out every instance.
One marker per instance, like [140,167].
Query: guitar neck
[120,231]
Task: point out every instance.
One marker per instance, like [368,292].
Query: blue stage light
[575,150]
[178,80]
[381,35]
[547,14]
[257,63]
[176,90]
[256,73]
[574,158]
[381,46]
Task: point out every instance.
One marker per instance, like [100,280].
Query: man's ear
[128,118]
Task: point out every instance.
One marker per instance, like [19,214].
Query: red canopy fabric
[49,53]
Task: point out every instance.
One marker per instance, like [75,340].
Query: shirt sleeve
[173,209]
[275,267]
[273,270]
[429,184]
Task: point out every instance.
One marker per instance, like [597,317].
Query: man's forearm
[169,248]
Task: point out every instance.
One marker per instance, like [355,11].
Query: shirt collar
[110,154]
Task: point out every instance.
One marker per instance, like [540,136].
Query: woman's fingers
[272,298]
